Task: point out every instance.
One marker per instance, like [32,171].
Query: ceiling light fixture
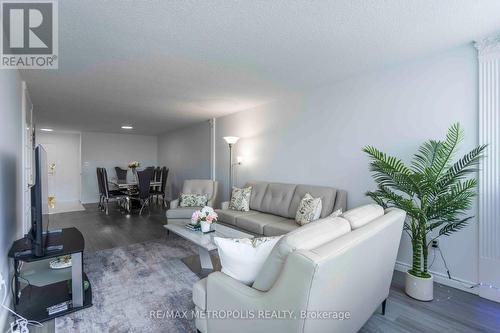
[127,127]
[46,129]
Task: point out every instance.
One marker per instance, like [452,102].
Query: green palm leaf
[463,166]
[446,150]
[452,227]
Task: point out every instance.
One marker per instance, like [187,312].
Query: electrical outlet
[435,243]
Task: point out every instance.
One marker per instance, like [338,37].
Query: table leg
[77,279]
[205,260]
[16,282]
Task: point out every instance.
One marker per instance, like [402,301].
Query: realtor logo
[29,34]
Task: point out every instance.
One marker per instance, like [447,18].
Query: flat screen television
[39,203]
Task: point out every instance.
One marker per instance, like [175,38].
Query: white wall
[63,149]
[10,171]
[186,152]
[317,138]
[110,150]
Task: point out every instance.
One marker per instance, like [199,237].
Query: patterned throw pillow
[193,200]
[240,199]
[309,209]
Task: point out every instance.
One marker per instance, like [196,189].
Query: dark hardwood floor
[451,311]
[103,231]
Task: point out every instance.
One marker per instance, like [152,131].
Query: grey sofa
[193,186]
[273,207]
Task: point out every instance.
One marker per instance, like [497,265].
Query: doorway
[64,178]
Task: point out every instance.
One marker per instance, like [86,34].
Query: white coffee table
[205,242]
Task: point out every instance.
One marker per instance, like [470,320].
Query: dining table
[126,184]
[130,186]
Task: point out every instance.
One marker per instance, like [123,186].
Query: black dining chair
[156,178]
[100,188]
[160,190]
[144,185]
[121,174]
[107,193]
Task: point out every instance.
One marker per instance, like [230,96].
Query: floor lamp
[231,140]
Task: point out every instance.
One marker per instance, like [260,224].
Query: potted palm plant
[436,191]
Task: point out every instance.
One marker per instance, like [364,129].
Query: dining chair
[161,176]
[163,186]
[121,174]
[99,186]
[107,193]
[144,185]
[157,178]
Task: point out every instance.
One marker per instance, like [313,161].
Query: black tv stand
[35,303]
[53,249]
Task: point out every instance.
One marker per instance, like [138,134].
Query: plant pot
[421,289]
[205,226]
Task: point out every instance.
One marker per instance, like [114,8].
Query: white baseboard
[442,279]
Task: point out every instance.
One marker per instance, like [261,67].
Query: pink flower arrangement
[207,214]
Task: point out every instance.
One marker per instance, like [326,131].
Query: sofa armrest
[219,283]
[227,294]
[224,205]
[174,204]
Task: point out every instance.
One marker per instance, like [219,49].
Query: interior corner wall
[109,150]
[187,154]
[10,172]
[316,138]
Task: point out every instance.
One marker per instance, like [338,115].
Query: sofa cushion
[229,216]
[255,222]
[181,212]
[362,215]
[200,294]
[242,258]
[306,237]
[277,199]
[280,228]
[258,191]
[327,195]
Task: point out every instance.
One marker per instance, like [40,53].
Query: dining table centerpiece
[205,218]
[133,166]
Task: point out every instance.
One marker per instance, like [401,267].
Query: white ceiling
[160,65]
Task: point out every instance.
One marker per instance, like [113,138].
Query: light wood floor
[451,311]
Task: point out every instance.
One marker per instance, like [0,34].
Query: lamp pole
[231,140]
[230,168]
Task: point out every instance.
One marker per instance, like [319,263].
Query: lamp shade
[231,139]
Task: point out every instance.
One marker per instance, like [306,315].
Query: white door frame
[26,157]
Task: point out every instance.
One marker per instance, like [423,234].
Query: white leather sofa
[193,186]
[328,268]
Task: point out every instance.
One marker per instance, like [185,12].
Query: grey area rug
[130,282]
